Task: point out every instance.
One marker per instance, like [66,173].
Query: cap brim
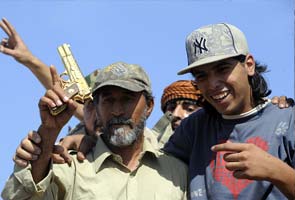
[204,61]
[128,85]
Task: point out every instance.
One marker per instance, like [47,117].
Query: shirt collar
[250,112]
[101,152]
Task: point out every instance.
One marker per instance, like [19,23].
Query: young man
[179,100]
[239,146]
[122,165]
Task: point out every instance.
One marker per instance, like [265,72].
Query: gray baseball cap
[213,43]
[128,76]
[90,78]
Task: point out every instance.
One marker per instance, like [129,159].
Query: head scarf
[182,89]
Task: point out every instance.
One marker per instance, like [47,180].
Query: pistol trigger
[65,73]
[71,90]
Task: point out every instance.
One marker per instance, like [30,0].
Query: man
[179,100]
[239,146]
[16,48]
[122,165]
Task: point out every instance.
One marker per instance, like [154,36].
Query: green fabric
[103,176]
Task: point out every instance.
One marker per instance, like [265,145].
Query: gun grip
[70,91]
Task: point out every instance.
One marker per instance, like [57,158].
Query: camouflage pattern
[214,43]
[90,78]
[128,76]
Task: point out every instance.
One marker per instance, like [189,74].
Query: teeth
[220,96]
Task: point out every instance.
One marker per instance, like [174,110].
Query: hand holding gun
[76,87]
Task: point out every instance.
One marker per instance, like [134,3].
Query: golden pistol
[76,87]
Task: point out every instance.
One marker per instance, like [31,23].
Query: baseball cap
[90,78]
[213,43]
[128,76]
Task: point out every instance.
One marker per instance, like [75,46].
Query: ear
[150,106]
[250,65]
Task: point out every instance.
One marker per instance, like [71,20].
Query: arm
[16,48]
[50,125]
[35,181]
[247,161]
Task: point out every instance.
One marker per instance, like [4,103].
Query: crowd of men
[220,137]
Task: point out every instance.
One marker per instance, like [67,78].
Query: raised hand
[14,45]
[55,97]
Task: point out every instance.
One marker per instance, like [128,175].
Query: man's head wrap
[179,90]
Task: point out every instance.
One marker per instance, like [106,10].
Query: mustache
[120,121]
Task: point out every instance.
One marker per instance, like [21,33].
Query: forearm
[40,167]
[79,113]
[284,179]
[40,70]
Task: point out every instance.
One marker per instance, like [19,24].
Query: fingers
[54,75]
[55,96]
[282,101]
[86,145]
[11,30]
[80,156]
[57,158]
[27,150]
[275,100]
[20,162]
[56,84]
[61,155]
[228,146]
[4,24]
[9,44]
[66,145]
[231,157]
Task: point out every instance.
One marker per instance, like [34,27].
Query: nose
[179,112]
[117,109]
[213,81]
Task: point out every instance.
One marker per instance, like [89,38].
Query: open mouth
[220,96]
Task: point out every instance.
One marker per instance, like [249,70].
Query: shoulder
[171,162]
[277,112]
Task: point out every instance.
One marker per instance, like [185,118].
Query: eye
[171,107]
[189,107]
[223,68]
[127,99]
[200,76]
[107,100]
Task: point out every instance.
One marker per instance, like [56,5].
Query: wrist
[48,134]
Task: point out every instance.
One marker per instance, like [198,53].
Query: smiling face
[123,114]
[224,84]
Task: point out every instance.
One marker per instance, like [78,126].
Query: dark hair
[257,82]
[148,97]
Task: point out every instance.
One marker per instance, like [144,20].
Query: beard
[124,136]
